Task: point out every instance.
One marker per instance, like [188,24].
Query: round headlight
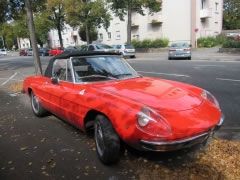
[208,96]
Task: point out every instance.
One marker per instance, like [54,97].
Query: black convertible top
[67,55]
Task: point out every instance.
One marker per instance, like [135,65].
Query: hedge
[148,43]
[231,44]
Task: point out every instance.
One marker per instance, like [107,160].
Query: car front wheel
[37,108]
[107,141]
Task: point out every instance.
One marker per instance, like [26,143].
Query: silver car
[126,50]
[3,52]
[29,52]
[180,50]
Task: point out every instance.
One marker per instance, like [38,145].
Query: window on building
[109,35]
[101,36]
[118,35]
[203,3]
[216,6]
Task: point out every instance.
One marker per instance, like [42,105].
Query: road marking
[210,66]
[233,80]
[178,75]
[9,79]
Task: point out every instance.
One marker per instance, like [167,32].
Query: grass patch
[15,87]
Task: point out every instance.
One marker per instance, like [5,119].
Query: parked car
[99,91]
[3,52]
[98,48]
[43,52]
[29,52]
[180,50]
[54,52]
[71,49]
[23,52]
[126,50]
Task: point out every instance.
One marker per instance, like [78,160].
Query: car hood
[155,93]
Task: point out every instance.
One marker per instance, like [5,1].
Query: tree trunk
[31,27]
[87,35]
[129,24]
[59,29]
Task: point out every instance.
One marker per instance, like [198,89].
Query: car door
[61,91]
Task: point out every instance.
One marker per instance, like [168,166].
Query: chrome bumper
[179,144]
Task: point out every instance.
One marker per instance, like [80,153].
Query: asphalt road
[48,148]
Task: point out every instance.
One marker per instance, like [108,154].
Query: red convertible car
[101,92]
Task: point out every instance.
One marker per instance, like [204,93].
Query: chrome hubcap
[99,139]
[35,104]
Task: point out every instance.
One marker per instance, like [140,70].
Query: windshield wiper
[97,75]
[125,74]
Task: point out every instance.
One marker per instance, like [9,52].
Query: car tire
[107,141]
[189,58]
[132,57]
[37,108]
[169,58]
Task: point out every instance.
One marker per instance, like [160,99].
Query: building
[179,20]
[23,43]
[70,37]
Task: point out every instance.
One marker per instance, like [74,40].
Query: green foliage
[93,34]
[42,25]
[231,14]
[231,43]
[160,43]
[207,42]
[147,43]
[88,15]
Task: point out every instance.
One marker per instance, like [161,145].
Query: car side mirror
[55,80]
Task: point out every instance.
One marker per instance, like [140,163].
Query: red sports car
[101,92]
[55,52]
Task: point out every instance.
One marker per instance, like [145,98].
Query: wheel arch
[88,121]
[29,91]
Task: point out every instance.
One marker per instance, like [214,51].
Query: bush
[147,43]
[158,43]
[207,42]
[230,43]
[136,43]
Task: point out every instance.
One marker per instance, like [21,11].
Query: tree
[57,16]
[87,14]
[43,25]
[121,8]
[31,27]
[7,36]
[93,35]
[231,14]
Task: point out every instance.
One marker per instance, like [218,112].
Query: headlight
[208,96]
[150,122]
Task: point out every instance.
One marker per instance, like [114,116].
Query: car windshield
[180,45]
[129,46]
[91,69]
[103,46]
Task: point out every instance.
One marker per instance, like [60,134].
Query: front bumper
[179,144]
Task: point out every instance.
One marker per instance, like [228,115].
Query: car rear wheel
[37,108]
[189,58]
[169,58]
[107,141]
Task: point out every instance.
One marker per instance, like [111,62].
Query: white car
[126,50]
[3,52]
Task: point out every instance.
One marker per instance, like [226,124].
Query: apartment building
[179,20]
[70,37]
